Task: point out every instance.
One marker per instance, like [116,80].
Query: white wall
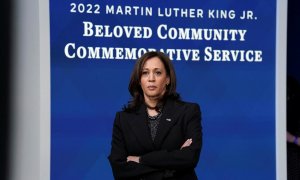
[30,132]
[281,38]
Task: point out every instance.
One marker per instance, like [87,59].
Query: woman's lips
[151,87]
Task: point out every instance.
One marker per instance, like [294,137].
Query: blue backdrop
[237,99]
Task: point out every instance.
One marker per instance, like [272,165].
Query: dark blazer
[162,158]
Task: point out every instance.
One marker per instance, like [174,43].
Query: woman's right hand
[187,143]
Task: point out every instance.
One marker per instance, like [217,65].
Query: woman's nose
[151,77]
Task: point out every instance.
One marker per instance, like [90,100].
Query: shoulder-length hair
[134,86]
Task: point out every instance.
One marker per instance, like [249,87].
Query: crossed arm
[136,159]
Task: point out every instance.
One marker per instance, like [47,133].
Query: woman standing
[157,135]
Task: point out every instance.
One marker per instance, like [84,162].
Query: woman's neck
[151,103]
[152,112]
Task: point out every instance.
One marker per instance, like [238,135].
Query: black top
[153,122]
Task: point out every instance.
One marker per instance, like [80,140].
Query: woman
[157,135]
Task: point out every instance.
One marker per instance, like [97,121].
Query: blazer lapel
[140,128]
[166,122]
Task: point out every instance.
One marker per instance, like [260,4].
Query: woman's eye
[145,73]
[158,72]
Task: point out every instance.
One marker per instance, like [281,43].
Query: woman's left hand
[133,158]
[187,143]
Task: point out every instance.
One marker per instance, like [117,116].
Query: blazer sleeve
[118,156]
[187,157]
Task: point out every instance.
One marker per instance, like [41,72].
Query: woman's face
[154,78]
